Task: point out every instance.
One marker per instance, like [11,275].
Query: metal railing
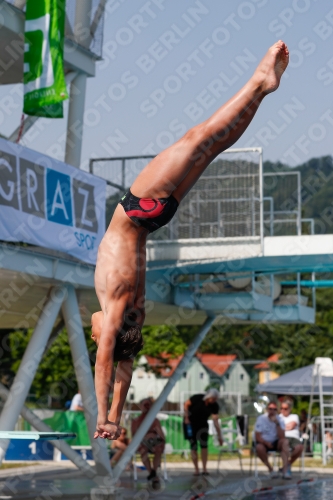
[285,200]
[172,425]
[233,197]
[225,202]
[321,438]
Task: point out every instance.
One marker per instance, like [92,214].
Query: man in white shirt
[269,436]
[76,404]
[291,422]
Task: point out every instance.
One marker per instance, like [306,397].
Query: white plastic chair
[276,457]
[230,436]
[274,454]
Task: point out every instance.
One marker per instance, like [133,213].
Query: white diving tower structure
[234,252]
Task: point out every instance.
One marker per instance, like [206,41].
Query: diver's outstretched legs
[175,170]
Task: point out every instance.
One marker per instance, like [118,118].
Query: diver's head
[128,343]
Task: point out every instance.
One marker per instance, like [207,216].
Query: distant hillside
[317,190]
[316,182]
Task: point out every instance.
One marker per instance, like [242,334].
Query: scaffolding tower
[322,393]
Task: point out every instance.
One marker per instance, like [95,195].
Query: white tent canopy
[295,383]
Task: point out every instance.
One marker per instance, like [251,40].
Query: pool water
[321,490]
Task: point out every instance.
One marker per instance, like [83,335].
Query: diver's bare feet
[268,74]
[107,430]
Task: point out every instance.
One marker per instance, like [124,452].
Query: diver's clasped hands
[107,430]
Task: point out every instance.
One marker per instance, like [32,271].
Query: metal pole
[78,87]
[151,415]
[84,378]
[117,158]
[299,203]
[261,197]
[75,120]
[29,364]
[313,386]
[38,424]
[242,150]
[322,417]
[82,22]
[253,213]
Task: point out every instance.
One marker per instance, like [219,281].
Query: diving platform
[304,253]
[27,273]
[36,436]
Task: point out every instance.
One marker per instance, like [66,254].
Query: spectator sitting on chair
[76,404]
[291,422]
[119,445]
[153,442]
[197,411]
[269,436]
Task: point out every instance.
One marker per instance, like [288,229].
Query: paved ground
[63,481]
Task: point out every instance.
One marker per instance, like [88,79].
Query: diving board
[49,436]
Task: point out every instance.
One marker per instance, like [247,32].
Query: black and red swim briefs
[150,213]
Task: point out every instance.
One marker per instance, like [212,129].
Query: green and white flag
[44,80]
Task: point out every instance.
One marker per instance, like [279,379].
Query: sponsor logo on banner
[48,203]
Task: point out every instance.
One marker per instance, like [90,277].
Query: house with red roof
[266,368]
[152,374]
[227,372]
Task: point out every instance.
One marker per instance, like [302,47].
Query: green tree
[162,339]
[55,376]
[301,344]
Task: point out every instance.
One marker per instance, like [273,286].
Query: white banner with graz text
[48,203]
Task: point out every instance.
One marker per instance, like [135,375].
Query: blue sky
[168,65]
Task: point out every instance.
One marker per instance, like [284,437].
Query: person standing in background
[197,411]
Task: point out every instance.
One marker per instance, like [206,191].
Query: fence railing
[233,197]
[172,425]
